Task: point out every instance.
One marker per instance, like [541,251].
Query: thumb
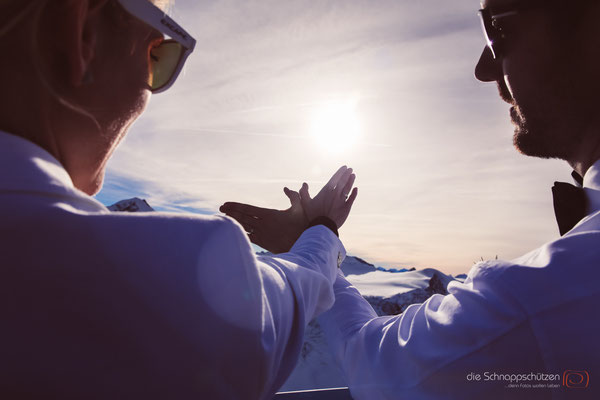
[304,195]
[293,196]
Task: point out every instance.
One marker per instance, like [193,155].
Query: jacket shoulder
[558,272]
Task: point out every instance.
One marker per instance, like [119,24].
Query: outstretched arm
[427,351]
[258,307]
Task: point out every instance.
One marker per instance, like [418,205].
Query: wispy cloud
[440,184]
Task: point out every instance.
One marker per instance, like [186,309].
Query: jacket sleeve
[416,354]
[275,297]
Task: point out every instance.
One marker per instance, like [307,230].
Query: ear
[77,35]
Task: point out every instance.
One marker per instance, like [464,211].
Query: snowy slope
[388,292]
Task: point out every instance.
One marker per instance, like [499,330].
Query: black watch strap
[326,222]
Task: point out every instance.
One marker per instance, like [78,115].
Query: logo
[576,379]
[173,28]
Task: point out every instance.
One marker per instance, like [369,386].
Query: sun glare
[335,125]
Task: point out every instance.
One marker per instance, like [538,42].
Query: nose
[488,69]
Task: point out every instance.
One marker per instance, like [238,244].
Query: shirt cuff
[324,236]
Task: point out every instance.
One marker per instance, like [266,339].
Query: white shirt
[536,314]
[104,305]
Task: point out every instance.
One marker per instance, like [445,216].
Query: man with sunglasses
[525,328]
[100,305]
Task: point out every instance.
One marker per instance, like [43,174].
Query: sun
[335,125]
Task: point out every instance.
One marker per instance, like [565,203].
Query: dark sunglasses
[166,57]
[492,29]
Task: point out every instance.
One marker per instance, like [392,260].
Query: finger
[244,209]
[294,197]
[335,178]
[348,186]
[343,180]
[247,221]
[248,229]
[352,197]
[304,194]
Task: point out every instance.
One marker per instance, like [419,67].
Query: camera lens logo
[576,379]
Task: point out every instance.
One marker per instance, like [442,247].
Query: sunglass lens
[164,60]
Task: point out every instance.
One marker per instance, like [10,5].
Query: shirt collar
[591,185]
[27,167]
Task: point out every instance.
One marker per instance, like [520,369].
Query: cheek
[130,111]
[513,80]
[143,100]
[125,73]
[525,80]
[125,56]
[508,85]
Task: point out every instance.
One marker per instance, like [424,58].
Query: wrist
[325,221]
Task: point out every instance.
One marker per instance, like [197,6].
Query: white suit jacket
[523,329]
[95,304]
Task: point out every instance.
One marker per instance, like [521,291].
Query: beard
[549,132]
[532,136]
[554,120]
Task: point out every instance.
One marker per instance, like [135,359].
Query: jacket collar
[26,167]
[591,185]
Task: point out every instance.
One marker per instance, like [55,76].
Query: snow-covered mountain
[131,205]
[388,291]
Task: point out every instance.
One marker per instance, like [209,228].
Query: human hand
[332,201]
[278,230]
[273,230]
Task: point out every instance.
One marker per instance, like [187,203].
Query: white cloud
[440,184]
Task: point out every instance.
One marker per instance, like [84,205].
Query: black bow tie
[570,204]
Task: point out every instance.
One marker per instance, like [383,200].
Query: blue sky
[440,183]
